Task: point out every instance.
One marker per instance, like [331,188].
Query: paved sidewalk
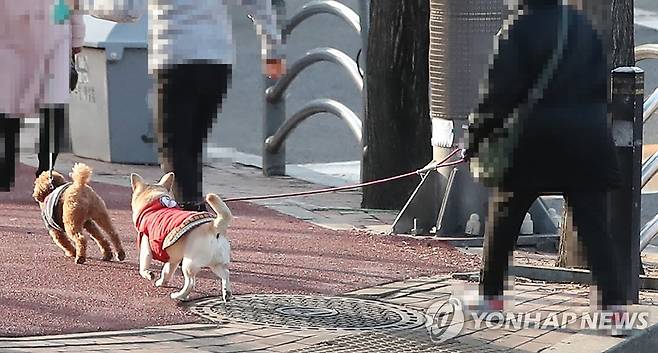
[385,318]
[311,329]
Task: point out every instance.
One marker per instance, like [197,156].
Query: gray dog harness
[50,205]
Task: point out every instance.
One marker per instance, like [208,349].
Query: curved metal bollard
[651,105]
[646,51]
[275,126]
[327,7]
[650,167]
[274,142]
[274,93]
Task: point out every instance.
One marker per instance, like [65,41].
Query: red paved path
[42,292]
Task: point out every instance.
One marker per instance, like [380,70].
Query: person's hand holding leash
[274,68]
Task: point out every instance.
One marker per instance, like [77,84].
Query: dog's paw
[80,260]
[107,256]
[160,282]
[228,295]
[69,254]
[121,255]
[147,275]
[178,296]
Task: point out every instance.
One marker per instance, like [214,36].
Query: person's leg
[506,213]
[180,109]
[188,101]
[591,222]
[51,123]
[211,93]
[9,144]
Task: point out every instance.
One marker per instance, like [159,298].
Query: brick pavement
[418,294]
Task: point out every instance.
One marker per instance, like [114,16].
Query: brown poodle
[67,208]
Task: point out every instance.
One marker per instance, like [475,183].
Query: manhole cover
[310,312]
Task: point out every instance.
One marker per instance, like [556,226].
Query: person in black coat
[542,127]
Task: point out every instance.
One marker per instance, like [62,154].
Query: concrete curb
[523,240]
[569,275]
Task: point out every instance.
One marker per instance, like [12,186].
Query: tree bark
[397,129]
[571,253]
[623,33]
[619,40]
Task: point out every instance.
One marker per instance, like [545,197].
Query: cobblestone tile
[238,338]
[215,332]
[303,333]
[267,332]
[183,327]
[238,347]
[288,347]
[424,305]
[134,339]
[121,347]
[489,335]
[576,342]
[282,339]
[205,341]
[533,347]
[404,300]
[531,332]
[168,336]
[375,292]
[552,337]
[320,338]
[512,340]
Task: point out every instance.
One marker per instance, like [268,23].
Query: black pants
[506,213]
[9,143]
[50,119]
[189,96]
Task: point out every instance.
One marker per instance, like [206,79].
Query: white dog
[171,235]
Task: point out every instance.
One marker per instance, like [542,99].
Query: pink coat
[34,55]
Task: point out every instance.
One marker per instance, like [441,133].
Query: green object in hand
[61,12]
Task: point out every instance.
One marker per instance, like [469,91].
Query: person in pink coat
[37,39]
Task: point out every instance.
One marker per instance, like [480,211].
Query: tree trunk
[571,253]
[623,33]
[619,40]
[397,127]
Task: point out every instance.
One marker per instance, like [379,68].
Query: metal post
[364,12]
[274,163]
[624,214]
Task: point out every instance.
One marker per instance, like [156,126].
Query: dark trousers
[51,124]
[506,213]
[9,144]
[189,97]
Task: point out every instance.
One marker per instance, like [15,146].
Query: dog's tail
[224,215]
[81,174]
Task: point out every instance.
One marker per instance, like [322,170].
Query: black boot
[48,116]
[9,134]
[194,206]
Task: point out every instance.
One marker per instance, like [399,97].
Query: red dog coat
[163,222]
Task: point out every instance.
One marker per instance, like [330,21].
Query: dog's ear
[41,190]
[136,181]
[167,181]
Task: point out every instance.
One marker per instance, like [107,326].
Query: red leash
[441,164]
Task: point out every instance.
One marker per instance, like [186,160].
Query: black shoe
[194,206]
